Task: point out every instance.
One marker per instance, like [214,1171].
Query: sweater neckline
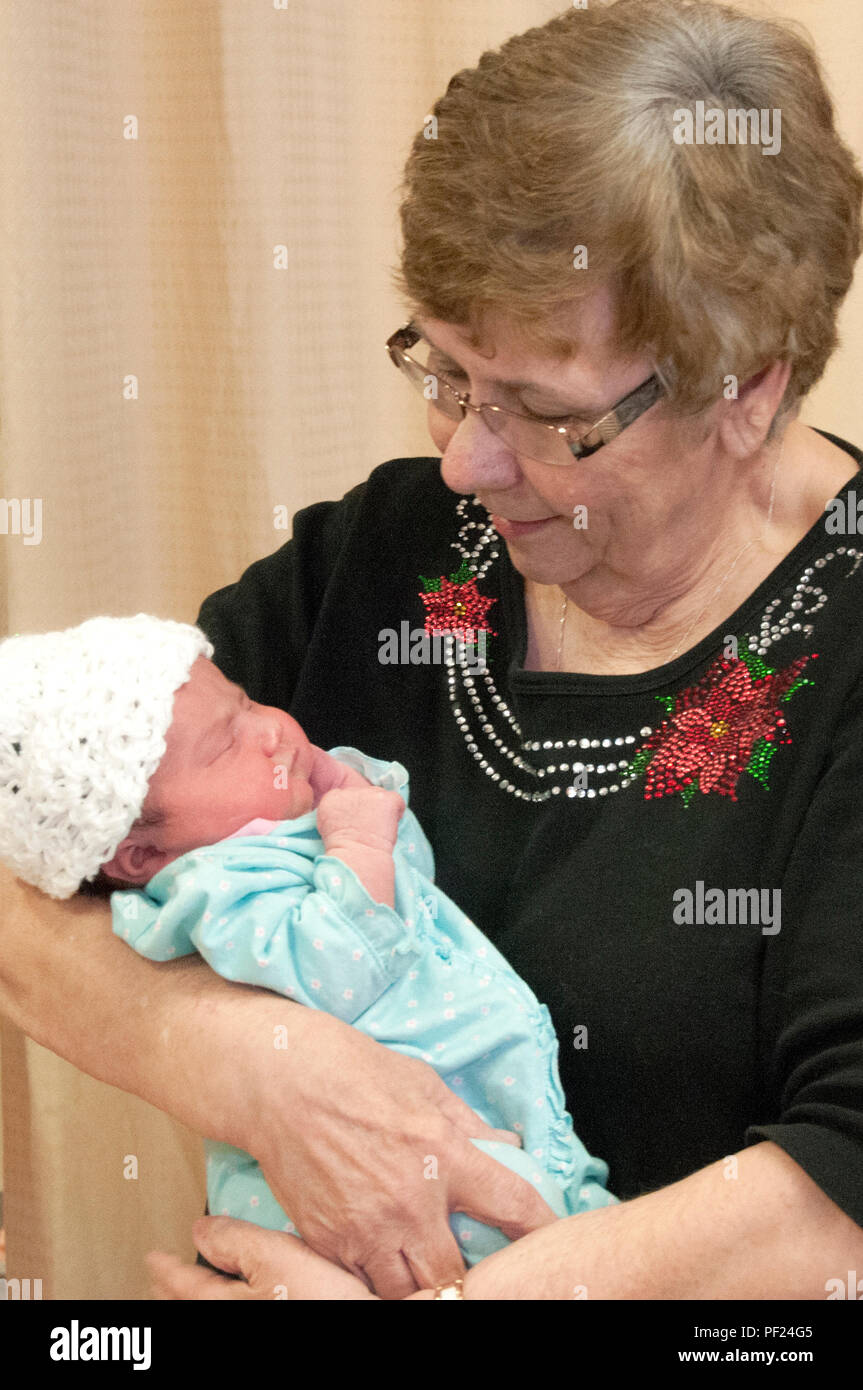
[671,672]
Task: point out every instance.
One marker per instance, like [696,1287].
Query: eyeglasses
[554,443]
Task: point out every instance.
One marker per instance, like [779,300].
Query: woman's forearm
[151,1029]
[768,1232]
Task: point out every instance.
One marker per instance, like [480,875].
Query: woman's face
[631,489]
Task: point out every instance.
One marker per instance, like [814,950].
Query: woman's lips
[512,530]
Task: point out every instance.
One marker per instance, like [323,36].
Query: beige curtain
[166,383]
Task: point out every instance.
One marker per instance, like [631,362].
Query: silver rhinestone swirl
[482,715]
[807,599]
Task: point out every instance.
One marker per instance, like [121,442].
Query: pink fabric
[253,827]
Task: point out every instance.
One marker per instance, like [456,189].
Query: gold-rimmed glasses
[558,443]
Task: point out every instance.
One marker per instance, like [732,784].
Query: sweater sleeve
[812,996]
[261,626]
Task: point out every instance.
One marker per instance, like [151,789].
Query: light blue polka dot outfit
[273,909]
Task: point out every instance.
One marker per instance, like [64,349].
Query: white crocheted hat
[83,718]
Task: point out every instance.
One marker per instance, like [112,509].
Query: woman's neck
[619,624]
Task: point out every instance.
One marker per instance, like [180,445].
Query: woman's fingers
[390,1276]
[222,1241]
[493,1194]
[467,1122]
[239,1247]
[355,1176]
[503,1136]
[174,1281]
[436,1259]
[274,1264]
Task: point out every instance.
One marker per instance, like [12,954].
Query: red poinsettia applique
[727,724]
[454,605]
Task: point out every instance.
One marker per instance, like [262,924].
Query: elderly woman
[647,795]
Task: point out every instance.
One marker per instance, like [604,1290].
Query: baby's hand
[360,815]
[328,772]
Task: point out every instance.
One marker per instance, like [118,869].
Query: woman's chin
[548,568]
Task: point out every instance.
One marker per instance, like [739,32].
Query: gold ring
[453,1290]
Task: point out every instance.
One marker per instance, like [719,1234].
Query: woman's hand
[368,1151]
[273,1265]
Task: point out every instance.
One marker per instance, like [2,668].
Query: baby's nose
[271,737]
[261,729]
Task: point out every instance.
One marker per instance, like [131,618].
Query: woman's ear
[745,420]
[135,862]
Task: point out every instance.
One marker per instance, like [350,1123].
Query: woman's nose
[477,460]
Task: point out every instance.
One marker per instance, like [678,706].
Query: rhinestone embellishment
[484,717]
[476,705]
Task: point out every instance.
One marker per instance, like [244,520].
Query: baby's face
[226,762]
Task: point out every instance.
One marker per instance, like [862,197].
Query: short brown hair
[722,259]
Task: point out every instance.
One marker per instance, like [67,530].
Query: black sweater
[684,1036]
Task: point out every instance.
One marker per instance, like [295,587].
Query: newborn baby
[285,866]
